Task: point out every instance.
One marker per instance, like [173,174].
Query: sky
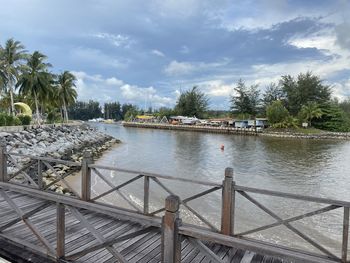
[148,52]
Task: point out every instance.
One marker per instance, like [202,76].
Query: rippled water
[310,167]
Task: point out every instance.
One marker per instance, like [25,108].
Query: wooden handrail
[168,177]
[319,200]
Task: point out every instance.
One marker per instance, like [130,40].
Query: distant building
[241,123]
[258,122]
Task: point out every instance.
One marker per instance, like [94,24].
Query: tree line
[26,77]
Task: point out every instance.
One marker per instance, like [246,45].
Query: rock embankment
[315,136]
[63,142]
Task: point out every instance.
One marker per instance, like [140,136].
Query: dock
[196,128]
[38,225]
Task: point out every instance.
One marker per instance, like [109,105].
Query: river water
[310,167]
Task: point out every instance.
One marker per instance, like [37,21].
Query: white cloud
[179,68]
[157,53]
[145,96]
[118,40]
[96,87]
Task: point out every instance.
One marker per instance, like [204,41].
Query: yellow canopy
[25,109]
[144,117]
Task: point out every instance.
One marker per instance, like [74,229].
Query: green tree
[35,80]
[66,91]
[333,119]
[272,93]
[276,112]
[311,111]
[192,103]
[246,100]
[307,87]
[11,56]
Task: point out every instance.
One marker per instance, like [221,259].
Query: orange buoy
[222,147]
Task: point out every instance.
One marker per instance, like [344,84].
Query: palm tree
[310,111]
[66,91]
[11,57]
[35,80]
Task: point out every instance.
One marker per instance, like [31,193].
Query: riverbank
[58,142]
[288,133]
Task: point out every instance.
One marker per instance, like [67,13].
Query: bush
[25,119]
[53,117]
[288,122]
[276,112]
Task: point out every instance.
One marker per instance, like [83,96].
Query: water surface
[310,167]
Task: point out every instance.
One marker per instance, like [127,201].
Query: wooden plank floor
[142,248]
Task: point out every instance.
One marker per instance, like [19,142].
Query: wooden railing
[173,230]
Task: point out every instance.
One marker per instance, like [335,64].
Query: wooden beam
[146,183]
[3,162]
[112,211]
[96,234]
[289,220]
[292,196]
[111,168]
[344,250]
[111,242]
[205,250]
[227,203]
[171,241]
[27,221]
[289,226]
[60,230]
[86,176]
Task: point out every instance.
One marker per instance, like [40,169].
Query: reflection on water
[310,167]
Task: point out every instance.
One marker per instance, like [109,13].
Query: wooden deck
[86,229]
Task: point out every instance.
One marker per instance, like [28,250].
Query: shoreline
[59,142]
[242,131]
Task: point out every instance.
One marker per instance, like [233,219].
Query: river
[310,167]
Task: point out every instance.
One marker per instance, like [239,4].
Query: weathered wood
[146,195]
[3,162]
[27,221]
[60,178]
[289,226]
[227,203]
[292,196]
[99,208]
[195,242]
[47,159]
[86,176]
[96,234]
[186,205]
[171,242]
[40,174]
[344,250]
[117,187]
[61,230]
[289,220]
[13,161]
[258,247]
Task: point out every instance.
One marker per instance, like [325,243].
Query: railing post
[40,174]
[344,251]
[146,195]
[228,203]
[171,242]
[3,162]
[60,230]
[86,176]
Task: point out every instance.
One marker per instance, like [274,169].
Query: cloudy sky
[147,52]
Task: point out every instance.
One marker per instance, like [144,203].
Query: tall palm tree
[35,80]
[311,111]
[66,91]
[11,57]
